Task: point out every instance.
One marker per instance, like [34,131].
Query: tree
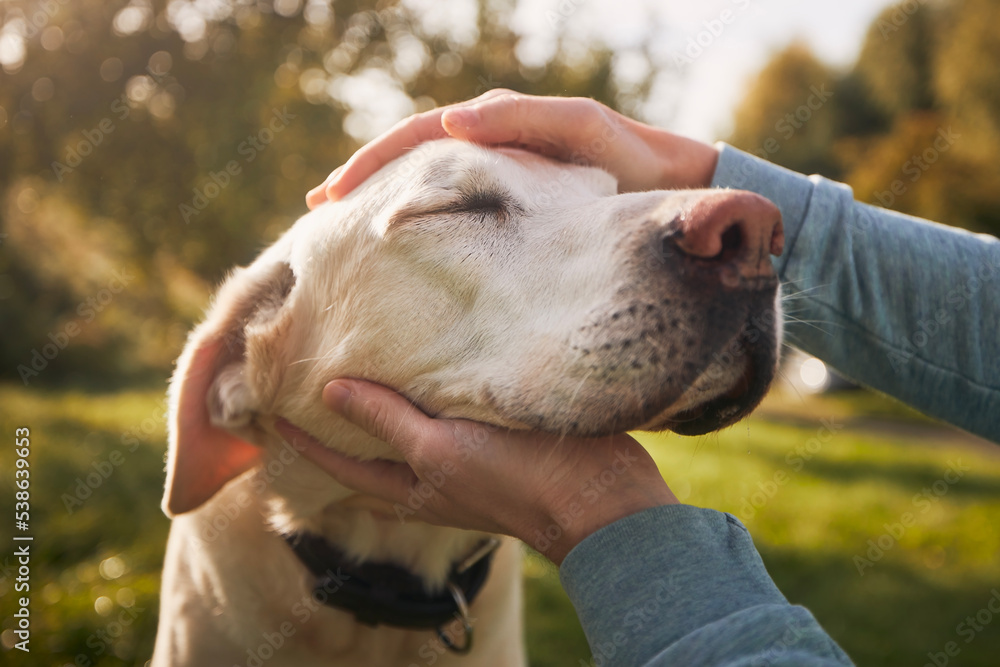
[172,139]
[786,117]
[912,126]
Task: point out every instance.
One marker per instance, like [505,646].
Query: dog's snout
[738,229]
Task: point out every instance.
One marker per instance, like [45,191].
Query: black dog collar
[379,593]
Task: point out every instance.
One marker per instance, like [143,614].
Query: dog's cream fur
[492,285]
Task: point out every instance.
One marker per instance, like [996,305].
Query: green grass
[71,433]
[808,528]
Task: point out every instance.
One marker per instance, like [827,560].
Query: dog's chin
[718,398]
[723,410]
[703,410]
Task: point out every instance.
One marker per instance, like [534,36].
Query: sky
[718,79]
[737,38]
[719,46]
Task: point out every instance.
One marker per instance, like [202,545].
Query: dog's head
[494,285]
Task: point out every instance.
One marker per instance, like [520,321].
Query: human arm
[905,306]
[681,585]
[654,582]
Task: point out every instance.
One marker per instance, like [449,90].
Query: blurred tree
[896,58]
[912,126]
[786,117]
[172,138]
[967,70]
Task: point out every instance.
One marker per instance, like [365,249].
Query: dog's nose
[734,229]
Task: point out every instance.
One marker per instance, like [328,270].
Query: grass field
[817,480]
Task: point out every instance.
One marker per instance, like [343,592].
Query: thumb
[380,412]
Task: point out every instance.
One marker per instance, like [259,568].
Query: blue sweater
[914,311]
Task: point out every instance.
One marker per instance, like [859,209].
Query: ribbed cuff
[789,191]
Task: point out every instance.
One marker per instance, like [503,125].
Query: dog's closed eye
[494,204]
[488,202]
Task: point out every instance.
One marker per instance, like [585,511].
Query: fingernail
[464,118]
[336,394]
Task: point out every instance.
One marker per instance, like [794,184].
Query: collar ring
[464,617]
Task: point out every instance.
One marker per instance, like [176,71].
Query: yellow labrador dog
[492,285]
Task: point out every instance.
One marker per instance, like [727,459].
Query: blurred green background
[118,121]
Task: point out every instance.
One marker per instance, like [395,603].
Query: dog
[489,284]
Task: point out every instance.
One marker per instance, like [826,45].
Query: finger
[317,195]
[382,413]
[552,125]
[397,140]
[388,480]
[383,150]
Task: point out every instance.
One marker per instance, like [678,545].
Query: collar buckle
[378,593]
[463,616]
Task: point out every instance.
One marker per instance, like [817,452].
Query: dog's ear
[212,394]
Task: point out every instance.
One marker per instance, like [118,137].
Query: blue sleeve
[907,307]
[680,585]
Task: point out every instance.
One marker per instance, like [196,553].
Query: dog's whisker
[794,386]
[814,324]
[800,293]
[303,361]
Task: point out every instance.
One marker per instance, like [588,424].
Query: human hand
[549,491]
[572,129]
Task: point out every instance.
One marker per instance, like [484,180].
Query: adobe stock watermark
[789,124]
[590,492]
[101,470]
[588,155]
[732,355]
[423,491]
[775,653]
[923,501]
[102,641]
[44,12]
[228,511]
[917,166]
[248,149]
[564,10]
[648,613]
[86,311]
[433,649]
[302,611]
[485,84]
[956,300]
[901,13]
[712,30]
[78,151]
[796,460]
[970,627]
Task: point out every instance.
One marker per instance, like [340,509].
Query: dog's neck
[300,498]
